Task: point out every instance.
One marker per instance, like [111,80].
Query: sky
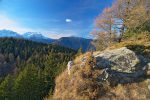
[53,18]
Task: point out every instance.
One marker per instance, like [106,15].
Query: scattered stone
[69,65]
[149,87]
[148,69]
[148,66]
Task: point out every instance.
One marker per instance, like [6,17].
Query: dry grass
[140,44]
[141,39]
[78,58]
[82,84]
[134,91]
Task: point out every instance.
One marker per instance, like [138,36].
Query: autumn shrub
[82,84]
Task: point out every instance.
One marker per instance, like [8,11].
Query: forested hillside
[28,69]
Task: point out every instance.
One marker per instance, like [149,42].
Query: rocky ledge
[121,65]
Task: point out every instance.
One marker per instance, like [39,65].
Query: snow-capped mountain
[8,33]
[37,36]
[69,42]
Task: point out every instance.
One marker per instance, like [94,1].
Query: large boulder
[122,60]
[124,65]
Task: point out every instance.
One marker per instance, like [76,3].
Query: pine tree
[6,88]
[80,51]
[28,85]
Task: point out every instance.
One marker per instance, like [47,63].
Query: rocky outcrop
[124,65]
[87,82]
[122,60]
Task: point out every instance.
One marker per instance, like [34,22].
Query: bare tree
[104,30]
[101,41]
[121,10]
[105,21]
[130,14]
[123,15]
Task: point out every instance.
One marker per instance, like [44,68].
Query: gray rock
[148,66]
[149,87]
[125,66]
[122,60]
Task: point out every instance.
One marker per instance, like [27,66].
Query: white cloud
[11,24]
[68,20]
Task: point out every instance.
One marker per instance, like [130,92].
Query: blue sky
[53,18]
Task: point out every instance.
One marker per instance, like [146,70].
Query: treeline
[123,19]
[28,69]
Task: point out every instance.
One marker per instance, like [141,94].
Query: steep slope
[113,74]
[22,60]
[23,50]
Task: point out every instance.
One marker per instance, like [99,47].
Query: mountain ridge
[9,33]
[75,43]
[69,42]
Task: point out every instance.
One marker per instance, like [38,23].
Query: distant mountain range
[74,43]
[8,33]
[69,42]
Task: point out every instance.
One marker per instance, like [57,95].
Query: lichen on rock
[121,60]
